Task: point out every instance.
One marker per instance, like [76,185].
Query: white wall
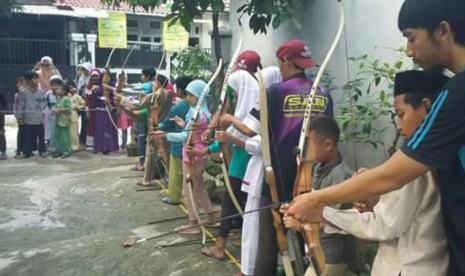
[368,24]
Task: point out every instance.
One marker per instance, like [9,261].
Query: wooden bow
[154,119]
[106,94]
[106,81]
[305,159]
[270,178]
[190,143]
[224,154]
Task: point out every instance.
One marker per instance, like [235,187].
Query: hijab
[195,88]
[246,88]
[83,79]
[45,73]
[91,82]
[271,76]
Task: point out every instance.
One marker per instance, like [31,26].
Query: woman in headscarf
[193,90]
[105,132]
[245,90]
[253,180]
[46,70]
[81,84]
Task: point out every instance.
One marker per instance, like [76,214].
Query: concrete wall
[368,24]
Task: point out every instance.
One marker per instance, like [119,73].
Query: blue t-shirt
[147,86]
[180,109]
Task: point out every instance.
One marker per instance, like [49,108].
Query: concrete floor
[71,217]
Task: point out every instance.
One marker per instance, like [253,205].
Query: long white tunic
[409,225]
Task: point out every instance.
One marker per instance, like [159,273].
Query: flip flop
[206,223]
[137,168]
[166,200]
[189,231]
[142,183]
[206,251]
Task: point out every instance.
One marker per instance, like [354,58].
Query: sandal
[137,168]
[206,222]
[187,229]
[206,251]
[166,200]
[142,183]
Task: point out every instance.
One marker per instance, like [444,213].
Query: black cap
[421,82]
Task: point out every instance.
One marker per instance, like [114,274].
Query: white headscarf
[271,75]
[83,80]
[248,95]
[246,88]
[87,65]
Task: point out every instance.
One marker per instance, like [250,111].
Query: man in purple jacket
[286,106]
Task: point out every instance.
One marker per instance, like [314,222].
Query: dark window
[157,39]
[155,25]
[193,41]
[146,39]
[133,23]
[132,37]
[197,30]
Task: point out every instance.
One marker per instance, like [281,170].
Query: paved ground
[70,217]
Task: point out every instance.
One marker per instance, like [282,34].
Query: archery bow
[153,121]
[224,154]
[106,81]
[132,50]
[270,178]
[305,157]
[190,142]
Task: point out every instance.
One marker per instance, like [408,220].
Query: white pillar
[75,38]
[168,64]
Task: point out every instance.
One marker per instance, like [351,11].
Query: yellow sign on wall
[175,37]
[112,30]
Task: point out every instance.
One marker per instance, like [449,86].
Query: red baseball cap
[249,61]
[298,52]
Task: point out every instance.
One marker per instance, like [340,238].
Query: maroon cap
[298,52]
[249,61]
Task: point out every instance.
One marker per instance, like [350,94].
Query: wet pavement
[71,217]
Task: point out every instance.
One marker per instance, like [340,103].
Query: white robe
[253,182]
[409,225]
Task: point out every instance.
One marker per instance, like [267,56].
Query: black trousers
[32,135]
[228,208]
[2,136]
[20,139]
[83,133]
[2,143]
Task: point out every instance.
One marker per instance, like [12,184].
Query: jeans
[141,141]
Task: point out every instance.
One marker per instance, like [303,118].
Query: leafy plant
[368,101]
[194,62]
[263,13]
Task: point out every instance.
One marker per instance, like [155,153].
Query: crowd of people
[419,230]
[190,144]
[57,117]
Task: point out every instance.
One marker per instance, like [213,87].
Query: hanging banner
[175,37]
[111,30]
